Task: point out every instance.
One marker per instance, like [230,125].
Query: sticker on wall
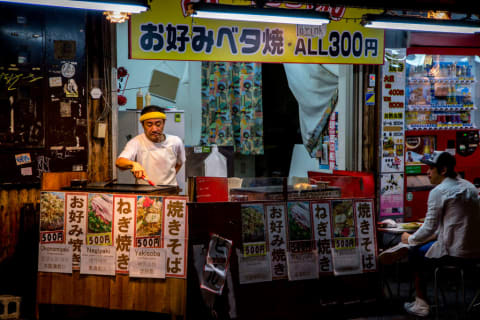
[71,89]
[65,109]
[68,69]
[27,171]
[55,82]
[23,158]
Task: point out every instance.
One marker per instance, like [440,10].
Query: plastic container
[148,99]
[139,99]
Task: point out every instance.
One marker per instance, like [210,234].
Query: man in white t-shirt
[153,155]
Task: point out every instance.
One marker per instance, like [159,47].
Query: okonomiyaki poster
[52,217]
[254,263]
[253,230]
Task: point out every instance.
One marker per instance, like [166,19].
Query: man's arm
[427,231]
[136,168]
[180,151]
[178,166]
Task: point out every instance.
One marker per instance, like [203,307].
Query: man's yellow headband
[153,115]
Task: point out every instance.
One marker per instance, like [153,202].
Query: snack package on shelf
[418,92]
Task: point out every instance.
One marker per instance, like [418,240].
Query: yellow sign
[165,32]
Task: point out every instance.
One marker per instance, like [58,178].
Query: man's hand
[405,237]
[137,170]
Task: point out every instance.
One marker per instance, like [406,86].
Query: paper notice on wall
[55,82]
[55,257]
[393,111]
[98,260]
[254,269]
[391,194]
[346,261]
[216,265]
[147,263]
[302,266]
[26,171]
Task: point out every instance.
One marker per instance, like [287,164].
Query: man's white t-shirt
[158,159]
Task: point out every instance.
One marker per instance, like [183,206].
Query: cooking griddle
[130,188]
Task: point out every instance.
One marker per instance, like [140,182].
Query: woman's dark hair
[152,108]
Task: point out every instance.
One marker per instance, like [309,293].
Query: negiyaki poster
[253,230]
[100,219]
[300,233]
[302,260]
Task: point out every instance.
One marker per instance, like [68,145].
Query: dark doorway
[280,123]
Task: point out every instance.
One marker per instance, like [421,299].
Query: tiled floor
[399,289]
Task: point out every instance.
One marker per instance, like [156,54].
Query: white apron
[159,162]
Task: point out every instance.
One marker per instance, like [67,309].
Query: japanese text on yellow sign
[165,32]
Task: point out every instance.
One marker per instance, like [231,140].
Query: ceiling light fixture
[127,6]
[420,24]
[246,13]
[116,17]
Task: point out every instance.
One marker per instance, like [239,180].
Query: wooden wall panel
[118,292]
[11,203]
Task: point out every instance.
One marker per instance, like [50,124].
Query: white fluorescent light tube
[420,24]
[259,18]
[88,5]
[269,15]
[421,27]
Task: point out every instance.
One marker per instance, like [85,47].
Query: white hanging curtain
[315,87]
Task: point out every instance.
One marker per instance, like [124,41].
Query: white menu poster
[254,269]
[323,235]
[175,235]
[76,219]
[393,111]
[55,257]
[277,239]
[366,233]
[98,260]
[124,224]
[147,263]
[391,194]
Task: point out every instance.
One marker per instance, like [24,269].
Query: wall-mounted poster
[393,111]
[391,194]
[301,258]
[76,212]
[418,147]
[52,217]
[100,219]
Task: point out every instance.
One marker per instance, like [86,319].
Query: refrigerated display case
[441,94]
